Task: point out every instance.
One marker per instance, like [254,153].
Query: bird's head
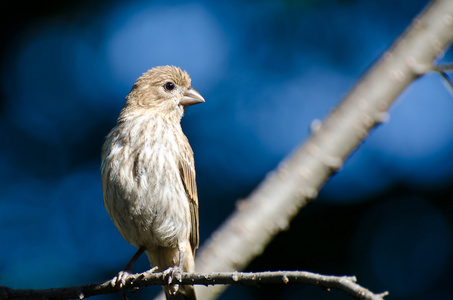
[165,90]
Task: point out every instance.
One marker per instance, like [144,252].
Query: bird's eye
[169,86]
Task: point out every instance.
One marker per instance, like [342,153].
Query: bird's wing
[187,170]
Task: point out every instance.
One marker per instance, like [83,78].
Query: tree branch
[344,283]
[297,180]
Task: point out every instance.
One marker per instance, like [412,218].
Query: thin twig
[447,79]
[444,67]
[441,69]
[344,283]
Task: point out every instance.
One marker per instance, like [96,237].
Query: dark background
[266,70]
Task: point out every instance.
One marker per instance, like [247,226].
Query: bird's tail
[184,292]
[165,259]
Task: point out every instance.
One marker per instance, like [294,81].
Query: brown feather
[188,178]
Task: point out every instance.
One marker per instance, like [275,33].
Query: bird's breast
[144,193]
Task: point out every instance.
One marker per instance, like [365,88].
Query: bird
[148,176]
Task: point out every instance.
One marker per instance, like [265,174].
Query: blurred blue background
[266,70]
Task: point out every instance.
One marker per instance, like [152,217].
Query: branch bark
[344,283]
[297,180]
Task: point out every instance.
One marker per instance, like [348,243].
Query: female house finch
[148,175]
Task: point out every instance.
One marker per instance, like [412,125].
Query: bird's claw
[173,273]
[120,279]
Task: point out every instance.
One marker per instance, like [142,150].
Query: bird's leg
[175,272]
[134,258]
[122,276]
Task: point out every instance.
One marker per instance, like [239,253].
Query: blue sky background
[267,69]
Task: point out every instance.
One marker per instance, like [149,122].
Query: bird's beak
[191,97]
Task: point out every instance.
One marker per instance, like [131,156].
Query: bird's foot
[120,279]
[173,273]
